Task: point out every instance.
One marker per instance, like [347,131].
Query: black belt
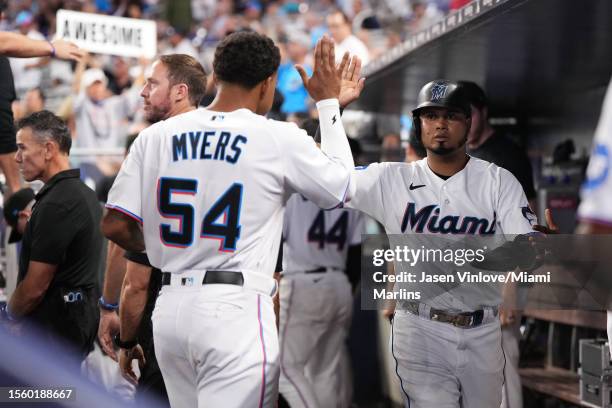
[465,319]
[322,269]
[211,277]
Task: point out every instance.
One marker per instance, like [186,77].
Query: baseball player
[168,72]
[208,188]
[447,354]
[316,302]
[595,213]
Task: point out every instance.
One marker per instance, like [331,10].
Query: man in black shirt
[484,142]
[57,283]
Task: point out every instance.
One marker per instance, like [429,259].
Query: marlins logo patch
[438,92]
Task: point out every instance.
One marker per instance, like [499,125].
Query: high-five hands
[326,79]
[352,83]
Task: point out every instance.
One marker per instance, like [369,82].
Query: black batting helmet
[440,93]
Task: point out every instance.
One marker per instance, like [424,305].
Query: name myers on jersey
[207,145]
[428,219]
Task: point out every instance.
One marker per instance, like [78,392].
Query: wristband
[107,306]
[52,49]
[130,344]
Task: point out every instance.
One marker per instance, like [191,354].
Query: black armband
[138,257]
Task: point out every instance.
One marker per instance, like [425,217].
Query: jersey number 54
[227,206]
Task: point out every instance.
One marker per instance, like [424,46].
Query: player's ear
[181,92]
[468,123]
[265,86]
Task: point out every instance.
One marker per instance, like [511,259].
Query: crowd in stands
[99,97]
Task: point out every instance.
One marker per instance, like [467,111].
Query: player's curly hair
[246,58]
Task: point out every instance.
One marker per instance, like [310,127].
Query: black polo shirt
[505,153]
[64,230]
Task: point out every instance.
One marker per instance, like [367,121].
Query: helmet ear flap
[416,125]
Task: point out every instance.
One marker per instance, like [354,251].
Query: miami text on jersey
[207,145]
[428,217]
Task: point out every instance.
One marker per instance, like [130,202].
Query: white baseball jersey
[315,238]
[597,190]
[409,198]
[481,199]
[210,188]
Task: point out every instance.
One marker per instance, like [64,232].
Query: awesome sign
[102,34]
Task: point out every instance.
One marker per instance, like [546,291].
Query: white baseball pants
[443,366]
[315,315]
[217,346]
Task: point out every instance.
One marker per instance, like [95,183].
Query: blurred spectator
[33,101]
[21,46]
[118,75]
[25,70]
[178,14]
[391,148]
[340,30]
[414,148]
[101,119]
[289,81]
[424,14]
[179,43]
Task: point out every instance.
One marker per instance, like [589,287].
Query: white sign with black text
[127,37]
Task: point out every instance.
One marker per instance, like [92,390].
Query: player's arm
[109,303]
[123,230]
[21,46]
[324,87]
[133,301]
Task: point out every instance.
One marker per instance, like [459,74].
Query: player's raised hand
[352,83]
[326,79]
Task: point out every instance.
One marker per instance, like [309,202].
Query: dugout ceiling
[545,59]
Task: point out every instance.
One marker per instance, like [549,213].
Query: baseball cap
[23,18]
[16,203]
[91,76]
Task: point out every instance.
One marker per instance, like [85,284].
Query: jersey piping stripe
[124,211]
[504,386]
[397,365]
[283,346]
[263,349]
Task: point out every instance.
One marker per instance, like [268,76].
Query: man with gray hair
[62,244]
